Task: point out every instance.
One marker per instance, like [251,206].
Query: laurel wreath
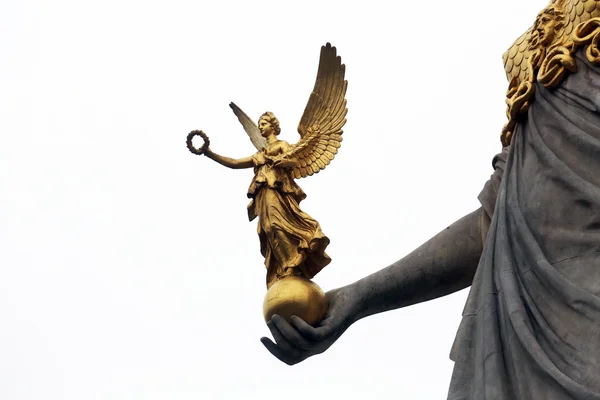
[191,147]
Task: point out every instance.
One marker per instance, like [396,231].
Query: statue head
[268,123]
[548,25]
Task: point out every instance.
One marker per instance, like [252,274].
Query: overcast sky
[128,268]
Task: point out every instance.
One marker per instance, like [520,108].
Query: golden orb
[294,295]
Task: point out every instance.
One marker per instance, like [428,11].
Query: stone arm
[443,265]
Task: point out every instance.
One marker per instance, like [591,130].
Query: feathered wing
[321,124]
[250,127]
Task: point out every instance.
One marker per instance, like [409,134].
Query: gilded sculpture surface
[291,241]
[544,53]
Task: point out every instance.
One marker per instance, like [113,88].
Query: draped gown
[290,240]
[531,324]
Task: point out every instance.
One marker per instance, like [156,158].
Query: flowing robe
[531,324]
[290,240]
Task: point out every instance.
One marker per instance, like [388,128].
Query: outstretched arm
[230,162]
[443,265]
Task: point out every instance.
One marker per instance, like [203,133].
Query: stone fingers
[307,331]
[292,335]
[282,348]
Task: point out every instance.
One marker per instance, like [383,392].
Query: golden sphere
[294,295]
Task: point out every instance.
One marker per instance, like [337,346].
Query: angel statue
[291,241]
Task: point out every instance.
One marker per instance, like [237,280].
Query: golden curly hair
[272,119]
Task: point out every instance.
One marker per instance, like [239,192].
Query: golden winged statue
[291,240]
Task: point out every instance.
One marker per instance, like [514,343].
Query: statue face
[545,30]
[265,127]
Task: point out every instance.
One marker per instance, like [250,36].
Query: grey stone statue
[531,253]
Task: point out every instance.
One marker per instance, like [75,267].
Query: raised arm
[230,162]
[443,265]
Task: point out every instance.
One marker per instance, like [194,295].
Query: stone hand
[296,340]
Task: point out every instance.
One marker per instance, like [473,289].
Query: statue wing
[321,124]
[250,127]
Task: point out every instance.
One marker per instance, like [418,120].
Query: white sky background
[128,268]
